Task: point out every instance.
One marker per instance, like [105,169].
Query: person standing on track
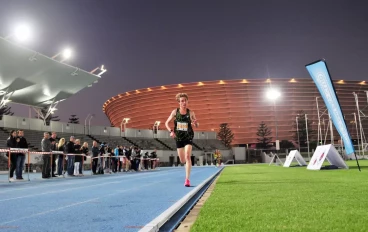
[11,142]
[94,157]
[46,147]
[54,156]
[61,158]
[183,132]
[78,158]
[22,143]
[85,152]
[69,149]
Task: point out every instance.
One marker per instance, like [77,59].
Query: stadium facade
[240,103]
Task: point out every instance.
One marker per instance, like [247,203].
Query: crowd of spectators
[61,157]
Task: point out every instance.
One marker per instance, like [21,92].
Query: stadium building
[243,104]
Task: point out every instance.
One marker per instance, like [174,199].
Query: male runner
[183,132]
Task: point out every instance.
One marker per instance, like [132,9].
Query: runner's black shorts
[183,143]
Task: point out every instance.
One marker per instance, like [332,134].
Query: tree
[286,144]
[264,133]
[5,110]
[225,134]
[73,119]
[302,129]
[49,118]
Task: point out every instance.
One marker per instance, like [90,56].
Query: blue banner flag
[321,76]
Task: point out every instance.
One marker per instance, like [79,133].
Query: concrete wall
[163,134]
[63,127]
[204,135]
[239,154]
[114,131]
[35,124]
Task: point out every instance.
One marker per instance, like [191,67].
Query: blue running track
[117,202]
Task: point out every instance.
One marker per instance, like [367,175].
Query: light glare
[22,33]
[273,94]
[67,53]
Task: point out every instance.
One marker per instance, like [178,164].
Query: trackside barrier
[145,163]
[102,161]
[10,151]
[72,155]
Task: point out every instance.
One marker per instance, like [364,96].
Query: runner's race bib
[182,126]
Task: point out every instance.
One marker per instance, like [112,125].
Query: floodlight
[273,94]
[67,53]
[22,32]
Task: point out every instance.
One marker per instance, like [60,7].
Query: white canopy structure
[30,78]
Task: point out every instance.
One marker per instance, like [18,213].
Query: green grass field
[273,198]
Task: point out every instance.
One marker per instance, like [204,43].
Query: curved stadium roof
[241,103]
[37,80]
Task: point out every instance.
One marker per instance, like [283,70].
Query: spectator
[108,154]
[84,158]
[136,159]
[145,161]
[153,158]
[78,158]
[54,156]
[101,158]
[121,158]
[11,142]
[46,148]
[94,158]
[115,160]
[128,153]
[61,159]
[22,143]
[69,151]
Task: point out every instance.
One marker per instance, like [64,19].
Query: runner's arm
[194,119]
[169,119]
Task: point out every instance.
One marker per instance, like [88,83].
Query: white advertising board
[294,154]
[328,152]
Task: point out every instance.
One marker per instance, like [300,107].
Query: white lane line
[69,189]
[81,202]
[76,181]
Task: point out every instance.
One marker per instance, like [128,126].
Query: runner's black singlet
[183,126]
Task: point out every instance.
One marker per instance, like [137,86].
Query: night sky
[150,43]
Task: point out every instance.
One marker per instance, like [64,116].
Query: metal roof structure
[30,78]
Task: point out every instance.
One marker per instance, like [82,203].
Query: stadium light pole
[297,131]
[85,124]
[89,124]
[124,121]
[360,123]
[306,128]
[157,124]
[273,95]
[21,33]
[66,53]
